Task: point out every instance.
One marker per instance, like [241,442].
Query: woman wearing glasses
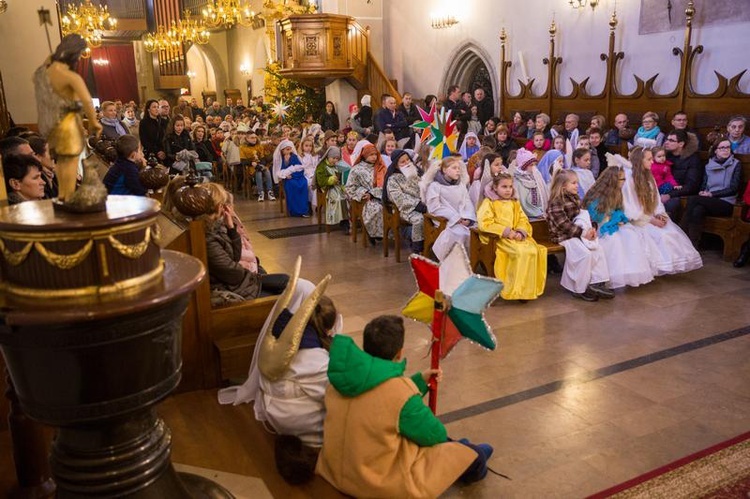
[718,194]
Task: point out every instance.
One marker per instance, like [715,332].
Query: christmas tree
[300,99]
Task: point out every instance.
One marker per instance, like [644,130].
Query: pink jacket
[663,174]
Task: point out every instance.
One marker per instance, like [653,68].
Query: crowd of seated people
[623,220]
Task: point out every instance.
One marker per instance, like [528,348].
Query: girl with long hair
[624,245]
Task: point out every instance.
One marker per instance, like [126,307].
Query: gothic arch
[220,72]
[466,60]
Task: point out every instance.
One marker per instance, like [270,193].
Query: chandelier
[185,30]
[579,4]
[87,20]
[227,13]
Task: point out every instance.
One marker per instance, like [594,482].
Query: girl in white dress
[586,271]
[671,249]
[625,246]
[310,162]
[445,192]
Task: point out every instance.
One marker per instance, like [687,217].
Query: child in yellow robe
[520,263]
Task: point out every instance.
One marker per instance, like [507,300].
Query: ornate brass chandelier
[227,13]
[87,20]
[187,30]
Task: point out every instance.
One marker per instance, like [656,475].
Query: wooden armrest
[440,222]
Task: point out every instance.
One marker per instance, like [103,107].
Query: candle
[523,67]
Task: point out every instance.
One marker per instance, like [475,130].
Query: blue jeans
[260,175]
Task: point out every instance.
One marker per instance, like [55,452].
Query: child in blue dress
[288,167]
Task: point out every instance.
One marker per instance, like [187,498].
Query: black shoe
[553,265]
[588,295]
[744,255]
[602,292]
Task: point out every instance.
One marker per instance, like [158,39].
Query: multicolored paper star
[469,294]
[279,109]
[439,131]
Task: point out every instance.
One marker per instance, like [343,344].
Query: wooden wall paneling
[705,111]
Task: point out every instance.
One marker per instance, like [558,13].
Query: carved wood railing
[378,83]
[704,110]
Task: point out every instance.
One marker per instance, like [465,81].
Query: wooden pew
[356,222]
[433,226]
[320,209]
[217,343]
[482,256]
[732,230]
[392,224]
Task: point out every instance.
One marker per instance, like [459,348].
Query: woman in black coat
[329,120]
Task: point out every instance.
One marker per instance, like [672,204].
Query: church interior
[643,395]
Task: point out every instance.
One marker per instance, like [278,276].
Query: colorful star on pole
[439,131]
[279,109]
[452,299]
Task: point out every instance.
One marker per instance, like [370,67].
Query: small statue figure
[61,93]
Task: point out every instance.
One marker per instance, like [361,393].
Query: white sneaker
[260,197]
[271,197]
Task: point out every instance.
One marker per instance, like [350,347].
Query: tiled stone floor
[586,435]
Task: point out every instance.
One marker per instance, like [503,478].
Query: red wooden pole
[438,330]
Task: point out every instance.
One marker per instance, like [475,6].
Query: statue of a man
[60,95]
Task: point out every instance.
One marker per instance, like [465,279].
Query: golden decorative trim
[64,262]
[156,234]
[76,235]
[141,281]
[131,251]
[17,258]
[103,259]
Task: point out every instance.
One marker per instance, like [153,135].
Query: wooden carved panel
[311,46]
[338,46]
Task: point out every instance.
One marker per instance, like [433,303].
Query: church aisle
[578,396]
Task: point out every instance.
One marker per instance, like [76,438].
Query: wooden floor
[578,396]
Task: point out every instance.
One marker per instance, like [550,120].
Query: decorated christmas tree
[295,99]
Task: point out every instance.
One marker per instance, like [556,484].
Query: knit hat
[524,158]
[396,154]
[333,151]
[365,100]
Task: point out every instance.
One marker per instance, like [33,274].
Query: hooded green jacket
[352,372]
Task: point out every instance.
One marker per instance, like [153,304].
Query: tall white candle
[523,67]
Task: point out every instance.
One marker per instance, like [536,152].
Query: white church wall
[417,55]
[24,49]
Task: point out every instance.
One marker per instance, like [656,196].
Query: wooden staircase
[317,49]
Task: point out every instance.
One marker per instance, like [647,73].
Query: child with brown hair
[380,439]
[662,171]
[520,263]
[586,268]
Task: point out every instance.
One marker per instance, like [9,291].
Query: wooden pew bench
[392,224]
[433,227]
[217,343]
[356,221]
[482,256]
